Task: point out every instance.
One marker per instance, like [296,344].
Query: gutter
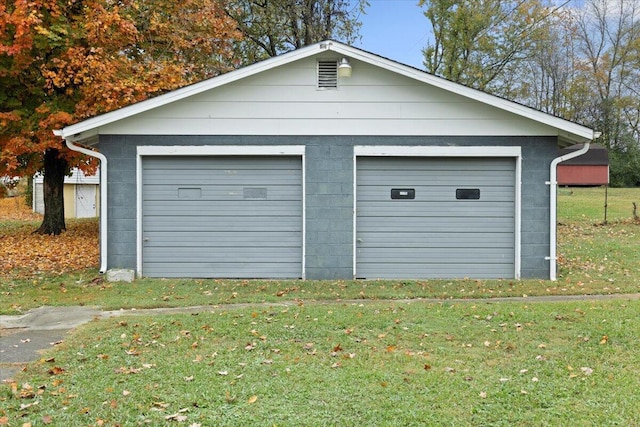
[553,208]
[103,198]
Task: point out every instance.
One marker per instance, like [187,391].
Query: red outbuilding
[592,168]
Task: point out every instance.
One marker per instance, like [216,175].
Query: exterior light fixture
[344,68]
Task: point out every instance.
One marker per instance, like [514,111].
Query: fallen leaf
[604,340]
[56,370]
[176,417]
[47,419]
[28,405]
[161,405]
[586,370]
[41,253]
[253,399]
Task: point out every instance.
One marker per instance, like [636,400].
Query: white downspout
[553,213]
[103,200]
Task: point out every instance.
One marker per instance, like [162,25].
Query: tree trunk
[55,169]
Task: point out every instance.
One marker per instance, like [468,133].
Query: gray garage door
[222,216]
[435,217]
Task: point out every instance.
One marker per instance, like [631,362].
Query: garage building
[292,168]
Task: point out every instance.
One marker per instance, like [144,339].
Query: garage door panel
[426,209]
[429,255]
[224,192]
[225,216]
[238,270]
[241,238]
[436,164]
[441,271]
[243,208]
[207,178]
[443,193]
[195,254]
[238,162]
[454,226]
[455,180]
[434,234]
[440,240]
[230,224]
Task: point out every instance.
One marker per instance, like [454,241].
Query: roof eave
[567,131]
[88,128]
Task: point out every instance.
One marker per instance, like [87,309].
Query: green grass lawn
[378,364]
[349,363]
[594,259]
[587,205]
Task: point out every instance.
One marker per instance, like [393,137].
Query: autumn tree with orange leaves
[64,61]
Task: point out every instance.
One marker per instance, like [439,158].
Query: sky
[398,29]
[395,29]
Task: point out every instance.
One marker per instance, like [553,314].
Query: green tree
[581,63]
[609,43]
[477,43]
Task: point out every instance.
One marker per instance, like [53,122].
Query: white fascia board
[221,150]
[567,129]
[437,151]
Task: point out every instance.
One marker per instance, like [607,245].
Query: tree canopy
[271,27]
[62,61]
[580,62]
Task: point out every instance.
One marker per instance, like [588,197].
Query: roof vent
[327,74]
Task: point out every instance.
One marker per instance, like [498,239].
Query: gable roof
[596,156]
[568,132]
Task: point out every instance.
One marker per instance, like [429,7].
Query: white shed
[81,195]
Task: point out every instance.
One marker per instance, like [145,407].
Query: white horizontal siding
[367,127]
[286,101]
